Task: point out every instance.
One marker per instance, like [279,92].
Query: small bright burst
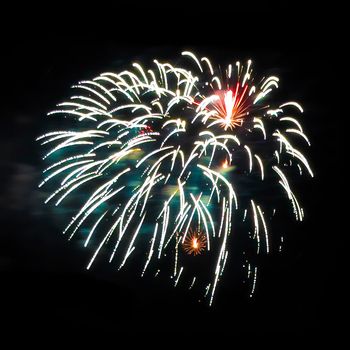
[225,164]
[141,156]
[232,107]
[195,242]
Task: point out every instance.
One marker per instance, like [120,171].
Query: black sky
[44,283]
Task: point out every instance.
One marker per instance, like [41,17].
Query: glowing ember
[225,164]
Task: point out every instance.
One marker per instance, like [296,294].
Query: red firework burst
[232,106]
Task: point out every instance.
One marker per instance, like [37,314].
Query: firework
[155,160]
[195,242]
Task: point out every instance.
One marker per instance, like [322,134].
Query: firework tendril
[161,164]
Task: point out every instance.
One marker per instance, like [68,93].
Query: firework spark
[195,243]
[149,153]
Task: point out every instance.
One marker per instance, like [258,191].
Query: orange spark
[195,242]
[225,164]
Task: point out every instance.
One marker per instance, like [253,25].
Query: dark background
[44,286]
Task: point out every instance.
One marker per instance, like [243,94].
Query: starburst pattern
[195,242]
[142,155]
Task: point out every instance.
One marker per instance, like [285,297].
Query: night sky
[44,284]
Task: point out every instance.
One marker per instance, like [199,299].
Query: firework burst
[195,243]
[147,154]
